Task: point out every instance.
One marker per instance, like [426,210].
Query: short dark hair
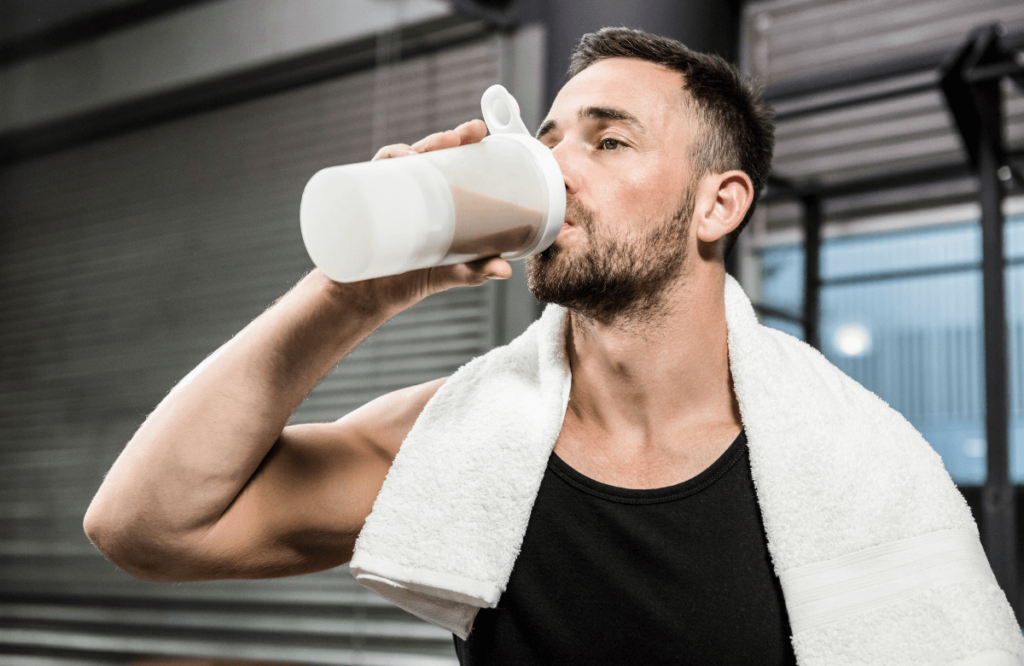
[740,125]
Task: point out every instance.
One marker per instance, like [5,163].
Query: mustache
[578,214]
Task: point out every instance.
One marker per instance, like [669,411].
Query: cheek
[649,192]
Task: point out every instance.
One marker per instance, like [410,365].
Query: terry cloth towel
[877,552]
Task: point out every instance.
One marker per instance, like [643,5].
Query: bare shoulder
[386,421]
[356,451]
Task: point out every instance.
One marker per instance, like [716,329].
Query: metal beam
[780,189]
[812,270]
[960,93]
[999,504]
[974,97]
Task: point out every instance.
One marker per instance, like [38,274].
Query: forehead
[648,91]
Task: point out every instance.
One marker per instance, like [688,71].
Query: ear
[722,201]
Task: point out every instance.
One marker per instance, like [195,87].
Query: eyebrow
[595,113]
[547,127]
[609,113]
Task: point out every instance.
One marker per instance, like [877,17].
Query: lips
[567,224]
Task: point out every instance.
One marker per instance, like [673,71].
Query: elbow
[107,533]
[129,548]
[99,528]
[98,522]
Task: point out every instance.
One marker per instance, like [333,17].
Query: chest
[626,576]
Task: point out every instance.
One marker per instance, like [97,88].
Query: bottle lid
[501,113]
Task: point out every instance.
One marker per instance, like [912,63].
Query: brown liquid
[486,226]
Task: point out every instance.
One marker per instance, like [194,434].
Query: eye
[610,144]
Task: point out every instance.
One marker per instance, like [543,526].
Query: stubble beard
[614,280]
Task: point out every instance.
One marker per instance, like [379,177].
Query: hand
[470,132]
[408,288]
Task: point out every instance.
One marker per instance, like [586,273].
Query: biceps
[303,508]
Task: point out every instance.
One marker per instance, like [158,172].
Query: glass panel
[916,342]
[1014,238]
[900,251]
[784,325]
[1015,319]
[1014,250]
[782,284]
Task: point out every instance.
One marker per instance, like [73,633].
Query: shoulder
[374,431]
[386,421]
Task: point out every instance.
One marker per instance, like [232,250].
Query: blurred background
[152,157]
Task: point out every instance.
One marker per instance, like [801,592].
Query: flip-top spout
[501,112]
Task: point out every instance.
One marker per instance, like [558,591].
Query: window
[901,313]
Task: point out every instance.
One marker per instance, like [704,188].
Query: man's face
[621,135]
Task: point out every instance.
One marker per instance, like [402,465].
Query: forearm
[199,447]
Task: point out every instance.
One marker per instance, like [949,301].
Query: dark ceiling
[33,27]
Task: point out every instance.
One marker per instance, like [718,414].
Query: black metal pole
[1000,535]
[812,271]
[974,98]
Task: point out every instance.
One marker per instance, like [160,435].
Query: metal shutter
[123,263]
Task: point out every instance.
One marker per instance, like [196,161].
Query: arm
[213,485]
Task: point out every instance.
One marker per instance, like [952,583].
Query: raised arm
[213,485]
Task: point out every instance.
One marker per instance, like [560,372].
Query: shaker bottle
[504,196]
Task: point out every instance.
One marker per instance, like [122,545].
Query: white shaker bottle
[503,196]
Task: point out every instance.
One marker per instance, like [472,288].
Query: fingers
[438,141]
[492,267]
[396,150]
[469,274]
[482,270]
[469,132]
[472,132]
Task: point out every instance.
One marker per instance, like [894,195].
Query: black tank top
[613,576]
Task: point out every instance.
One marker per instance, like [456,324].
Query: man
[663,152]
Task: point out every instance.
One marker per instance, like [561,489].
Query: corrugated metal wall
[815,54]
[786,41]
[123,263]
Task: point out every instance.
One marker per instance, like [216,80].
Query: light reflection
[852,339]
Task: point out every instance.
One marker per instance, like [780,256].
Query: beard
[607,279]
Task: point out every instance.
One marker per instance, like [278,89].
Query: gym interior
[152,158]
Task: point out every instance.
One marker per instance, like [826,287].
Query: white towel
[877,552]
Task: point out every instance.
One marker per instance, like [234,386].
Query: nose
[568,166]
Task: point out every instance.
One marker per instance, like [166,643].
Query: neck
[639,383]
